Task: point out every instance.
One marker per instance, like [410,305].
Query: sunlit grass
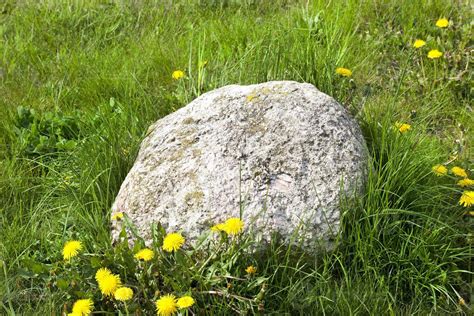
[405,246]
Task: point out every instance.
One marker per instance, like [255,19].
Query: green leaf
[95,262]
[62,284]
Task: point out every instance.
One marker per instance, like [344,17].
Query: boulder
[280,154]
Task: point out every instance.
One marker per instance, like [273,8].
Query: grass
[92,76]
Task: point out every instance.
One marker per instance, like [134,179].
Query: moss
[191,175]
[188,142]
[194,197]
[187,139]
[188,121]
[266,91]
[257,127]
[177,155]
[185,132]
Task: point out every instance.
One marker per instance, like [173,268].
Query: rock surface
[283,150]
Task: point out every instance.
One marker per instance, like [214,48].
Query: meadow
[81,81]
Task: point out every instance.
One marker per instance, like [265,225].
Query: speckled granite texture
[284,149]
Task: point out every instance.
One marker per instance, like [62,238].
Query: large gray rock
[283,149]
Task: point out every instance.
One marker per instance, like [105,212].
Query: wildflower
[145,254]
[101,274]
[71,249]
[185,302]
[233,226]
[166,305]
[462,302]
[108,282]
[251,270]
[123,294]
[83,307]
[173,242]
[419,43]
[402,127]
[440,170]
[434,53]
[460,172]
[442,23]
[177,74]
[465,182]
[217,228]
[117,216]
[344,72]
[467,198]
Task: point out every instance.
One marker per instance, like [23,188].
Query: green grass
[96,75]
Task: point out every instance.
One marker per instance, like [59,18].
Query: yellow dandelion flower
[117,216]
[166,305]
[251,270]
[101,274]
[466,182]
[108,282]
[173,242]
[434,53]
[71,249]
[123,294]
[442,23]
[233,226]
[185,302]
[217,228]
[467,198]
[460,172]
[440,170]
[73,314]
[83,307]
[177,74]
[344,72]
[145,254]
[402,127]
[419,43]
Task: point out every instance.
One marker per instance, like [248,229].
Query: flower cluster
[232,226]
[107,281]
[433,53]
[110,284]
[467,197]
[168,305]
